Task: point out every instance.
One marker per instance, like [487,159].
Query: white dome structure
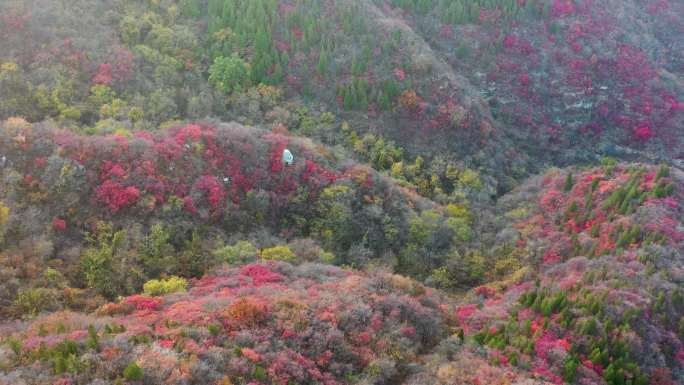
[288,158]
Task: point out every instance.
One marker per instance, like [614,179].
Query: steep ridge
[599,299]
[449,96]
[559,78]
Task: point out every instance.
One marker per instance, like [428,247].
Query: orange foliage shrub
[409,100]
[111,309]
[247,312]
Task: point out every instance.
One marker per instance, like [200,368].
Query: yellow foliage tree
[4,214]
[278,253]
[165,286]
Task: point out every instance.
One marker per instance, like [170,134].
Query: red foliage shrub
[408,331]
[143,302]
[541,370]
[166,343]
[551,258]
[63,381]
[122,61]
[662,376]
[277,156]
[189,205]
[116,196]
[298,32]
[189,133]
[147,136]
[104,74]
[282,46]
[28,180]
[363,338]
[632,64]
[164,165]
[562,8]
[213,190]
[643,133]
[485,291]
[680,356]
[400,74]
[251,355]
[551,201]
[595,367]
[544,344]
[59,224]
[447,32]
[112,170]
[39,162]
[499,357]
[13,22]
[260,274]
[524,80]
[465,312]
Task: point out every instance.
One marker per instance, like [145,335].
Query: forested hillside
[453,82]
[331,192]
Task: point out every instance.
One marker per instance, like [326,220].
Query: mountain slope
[588,307]
[272,323]
[600,297]
[154,230]
[148,204]
[442,80]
